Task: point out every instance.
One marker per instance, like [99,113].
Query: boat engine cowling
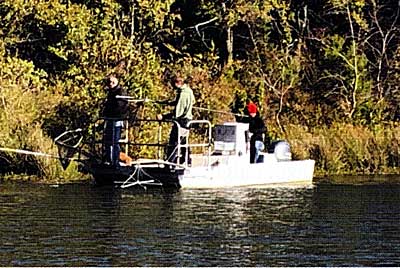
[281,150]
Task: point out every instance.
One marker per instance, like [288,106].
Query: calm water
[81,225]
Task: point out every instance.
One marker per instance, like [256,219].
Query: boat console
[231,138]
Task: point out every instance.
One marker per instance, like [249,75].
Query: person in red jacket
[257,129]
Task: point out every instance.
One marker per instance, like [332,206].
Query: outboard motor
[281,150]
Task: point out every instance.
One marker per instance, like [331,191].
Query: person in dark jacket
[257,129]
[182,114]
[114,112]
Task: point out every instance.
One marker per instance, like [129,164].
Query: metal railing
[126,140]
[188,145]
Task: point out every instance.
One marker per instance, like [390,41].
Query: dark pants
[256,146]
[172,148]
[112,135]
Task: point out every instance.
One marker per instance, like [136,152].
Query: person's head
[252,109]
[178,81]
[112,81]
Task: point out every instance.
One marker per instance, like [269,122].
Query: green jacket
[183,104]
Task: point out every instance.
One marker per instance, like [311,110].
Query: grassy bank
[345,149]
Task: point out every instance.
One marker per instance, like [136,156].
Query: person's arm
[168,102]
[183,103]
[170,115]
[123,101]
[242,118]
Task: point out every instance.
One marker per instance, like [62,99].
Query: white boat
[224,162]
[228,165]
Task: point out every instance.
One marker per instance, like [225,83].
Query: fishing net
[68,143]
[71,142]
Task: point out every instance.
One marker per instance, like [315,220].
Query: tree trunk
[229,46]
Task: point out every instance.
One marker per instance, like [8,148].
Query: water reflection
[81,225]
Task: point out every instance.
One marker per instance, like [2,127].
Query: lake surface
[83,225]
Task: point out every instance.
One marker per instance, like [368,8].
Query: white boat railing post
[208,144]
[186,137]
[126,139]
[178,153]
[159,139]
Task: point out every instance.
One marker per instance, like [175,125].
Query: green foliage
[24,102]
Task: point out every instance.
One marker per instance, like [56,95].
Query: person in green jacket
[182,114]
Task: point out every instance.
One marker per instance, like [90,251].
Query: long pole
[131,99]
[217,111]
[27,152]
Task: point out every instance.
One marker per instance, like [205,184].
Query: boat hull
[129,176]
[218,172]
[238,174]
